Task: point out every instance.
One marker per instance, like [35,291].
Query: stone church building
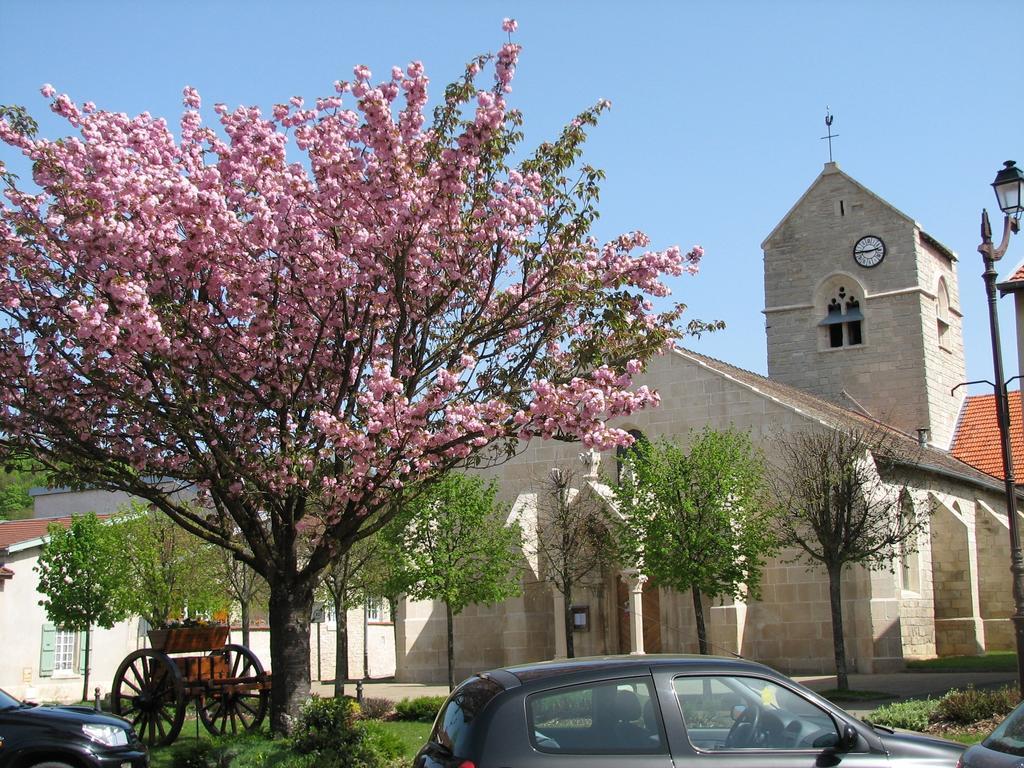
[863,324]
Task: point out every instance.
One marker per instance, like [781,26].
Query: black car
[32,736]
[1004,748]
[659,712]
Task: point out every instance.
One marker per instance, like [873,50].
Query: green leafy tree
[697,520]
[573,541]
[168,572]
[16,478]
[80,574]
[451,543]
[15,503]
[837,509]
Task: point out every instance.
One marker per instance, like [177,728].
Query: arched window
[623,452]
[942,313]
[844,320]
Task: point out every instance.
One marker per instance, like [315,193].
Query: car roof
[598,666]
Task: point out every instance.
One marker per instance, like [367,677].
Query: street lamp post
[1009,186]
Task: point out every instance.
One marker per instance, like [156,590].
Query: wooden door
[652,617]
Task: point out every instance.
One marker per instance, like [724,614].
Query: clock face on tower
[869,251]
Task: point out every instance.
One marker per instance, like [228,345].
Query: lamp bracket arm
[1010,226]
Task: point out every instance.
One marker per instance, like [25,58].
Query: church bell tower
[862,308]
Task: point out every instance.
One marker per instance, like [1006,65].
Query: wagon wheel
[149,692]
[229,706]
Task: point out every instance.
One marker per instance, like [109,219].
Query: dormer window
[843,321]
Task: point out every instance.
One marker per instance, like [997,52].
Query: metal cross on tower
[830,136]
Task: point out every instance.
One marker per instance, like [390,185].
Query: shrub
[971,705]
[423,709]
[377,709]
[325,724]
[195,754]
[329,735]
[912,715]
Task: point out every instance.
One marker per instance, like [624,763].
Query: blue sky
[717,106]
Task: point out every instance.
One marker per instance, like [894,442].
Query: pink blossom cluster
[208,308]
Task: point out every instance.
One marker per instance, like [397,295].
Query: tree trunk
[570,646]
[451,647]
[290,607]
[244,604]
[340,647]
[838,638]
[698,613]
[88,661]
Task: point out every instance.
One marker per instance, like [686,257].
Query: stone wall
[995,592]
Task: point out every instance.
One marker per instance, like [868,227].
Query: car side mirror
[847,738]
[837,741]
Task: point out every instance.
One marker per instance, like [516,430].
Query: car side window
[733,712]
[610,717]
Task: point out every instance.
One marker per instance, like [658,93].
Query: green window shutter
[81,651]
[49,643]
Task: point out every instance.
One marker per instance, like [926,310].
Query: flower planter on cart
[228,684]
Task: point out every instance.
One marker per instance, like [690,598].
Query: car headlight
[110,735]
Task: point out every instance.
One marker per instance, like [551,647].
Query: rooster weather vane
[830,136]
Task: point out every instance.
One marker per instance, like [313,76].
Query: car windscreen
[452,727]
[1008,736]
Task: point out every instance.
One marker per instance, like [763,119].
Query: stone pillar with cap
[635,580]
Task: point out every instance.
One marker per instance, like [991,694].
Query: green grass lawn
[993,661]
[413,735]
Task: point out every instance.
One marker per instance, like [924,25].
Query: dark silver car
[659,712]
[1003,749]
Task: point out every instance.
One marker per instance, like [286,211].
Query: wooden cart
[152,689]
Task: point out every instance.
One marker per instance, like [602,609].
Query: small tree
[452,544]
[348,581]
[168,572]
[243,585]
[80,574]
[837,510]
[573,541]
[697,520]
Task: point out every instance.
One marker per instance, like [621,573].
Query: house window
[64,651]
[942,314]
[843,322]
[378,611]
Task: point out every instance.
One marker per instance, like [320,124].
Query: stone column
[636,581]
[558,603]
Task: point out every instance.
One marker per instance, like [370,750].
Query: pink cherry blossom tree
[297,340]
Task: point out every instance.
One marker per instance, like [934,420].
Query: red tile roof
[17,531]
[976,441]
